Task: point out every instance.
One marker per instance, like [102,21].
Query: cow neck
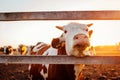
[62,71]
[74,72]
[62,51]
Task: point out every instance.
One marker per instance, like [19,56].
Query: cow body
[8,50]
[53,71]
[72,43]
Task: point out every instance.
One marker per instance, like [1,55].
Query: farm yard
[90,72]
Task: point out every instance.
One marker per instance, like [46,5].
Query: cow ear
[90,33]
[89,24]
[55,43]
[59,27]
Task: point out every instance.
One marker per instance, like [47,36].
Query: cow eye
[65,31]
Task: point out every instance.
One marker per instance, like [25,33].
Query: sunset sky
[30,32]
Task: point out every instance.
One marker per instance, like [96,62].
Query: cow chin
[78,50]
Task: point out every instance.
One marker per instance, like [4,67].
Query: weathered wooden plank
[61,15]
[60,60]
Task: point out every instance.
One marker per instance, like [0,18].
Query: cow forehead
[74,26]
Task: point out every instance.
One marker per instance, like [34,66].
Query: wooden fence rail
[60,15]
[60,60]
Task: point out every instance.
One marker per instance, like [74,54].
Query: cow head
[76,37]
[58,42]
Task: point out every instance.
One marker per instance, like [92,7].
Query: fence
[60,15]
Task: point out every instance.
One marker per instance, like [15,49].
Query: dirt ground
[90,72]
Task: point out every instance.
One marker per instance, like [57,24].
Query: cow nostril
[75,37]
[85,37]
[80,37]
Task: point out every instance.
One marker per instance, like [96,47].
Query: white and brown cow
[7,50]
[74,41]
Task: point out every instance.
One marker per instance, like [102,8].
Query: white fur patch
[45,75]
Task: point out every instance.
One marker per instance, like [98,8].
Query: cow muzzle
[81,42]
